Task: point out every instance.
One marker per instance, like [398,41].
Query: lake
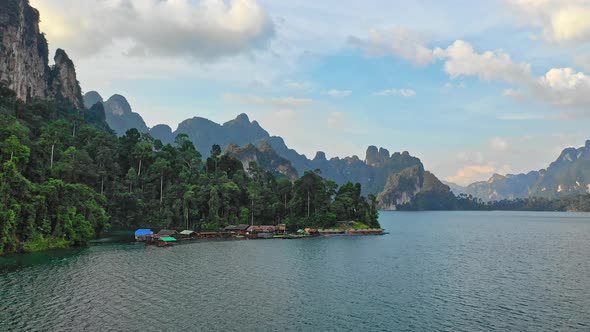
[434,271]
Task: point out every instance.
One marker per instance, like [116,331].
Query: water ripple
[434,272]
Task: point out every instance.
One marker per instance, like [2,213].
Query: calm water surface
[435,271]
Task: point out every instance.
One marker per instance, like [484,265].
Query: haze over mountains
[568,175]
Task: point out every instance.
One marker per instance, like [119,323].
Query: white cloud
[462,60]
[281,103]
[338,93]
[203,30]
[560,87]
[559,20]
[406,44]
[397,92]
[564,87]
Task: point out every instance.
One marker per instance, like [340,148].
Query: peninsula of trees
[66,177]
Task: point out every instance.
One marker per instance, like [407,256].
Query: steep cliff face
[24,55]
[377,158]
[63,84]
[401,188]
[568,175]
[23,50]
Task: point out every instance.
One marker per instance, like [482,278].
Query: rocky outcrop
[91,98]
[63,84]
[24,58]
[265,157]
[23,50]
[376,158]
[118,112]
[401,188]
[568,175]
[500,187]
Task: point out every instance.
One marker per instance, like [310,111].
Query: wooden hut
[143,234]
[167,232]
[165,241]
[208,235]
[237,229]
[188,234]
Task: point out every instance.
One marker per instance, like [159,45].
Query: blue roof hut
[143,234]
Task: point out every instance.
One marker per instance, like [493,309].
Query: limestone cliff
[402,187]
[23,50]
[24,58]
[63,84]
[265,157]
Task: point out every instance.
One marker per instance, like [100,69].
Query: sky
[472,88]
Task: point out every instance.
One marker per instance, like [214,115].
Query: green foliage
[66,178]
[447,201]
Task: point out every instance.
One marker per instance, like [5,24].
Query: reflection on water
[436,271]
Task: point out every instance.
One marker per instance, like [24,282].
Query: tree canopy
[65,177]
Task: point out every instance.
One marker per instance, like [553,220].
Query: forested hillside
[66,177]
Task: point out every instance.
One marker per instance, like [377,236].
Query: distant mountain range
[247,141]
[568,175]
[118,112]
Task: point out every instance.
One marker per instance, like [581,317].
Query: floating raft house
[142,234]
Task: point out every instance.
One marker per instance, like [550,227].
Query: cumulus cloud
[338,93]
[406,44]
[281,103]
[561,87]
[558,20]
[396,92]
[564,87]
[462,60]
[204,30]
